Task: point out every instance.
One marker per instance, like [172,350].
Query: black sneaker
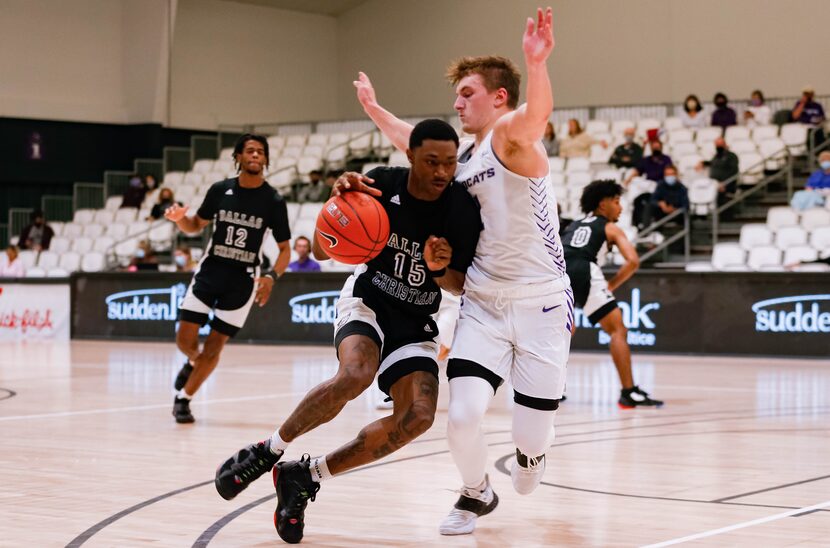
[636,397]
[248,464]
[295,488]
[184,374]
[181,410]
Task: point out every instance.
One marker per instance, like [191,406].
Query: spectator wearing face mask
[757,113]
[183,259]
[165,200]
[669,196]
[651,167]
[627,154]
[722,167]
[817,188]
[37,235]
[692,115]
[144,258]
[135,192]
[723,116]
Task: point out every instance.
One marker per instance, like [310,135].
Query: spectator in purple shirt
[723,116]
[302,246]
[651,167]
[808,111]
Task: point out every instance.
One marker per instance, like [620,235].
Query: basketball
[352,228]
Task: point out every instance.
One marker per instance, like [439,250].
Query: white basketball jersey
[520,242]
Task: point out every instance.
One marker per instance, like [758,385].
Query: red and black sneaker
[292,480]
[246,465]
[636,397]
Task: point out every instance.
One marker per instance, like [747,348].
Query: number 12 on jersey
[240,234]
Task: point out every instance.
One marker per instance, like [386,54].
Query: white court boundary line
[143,407]
[741,525]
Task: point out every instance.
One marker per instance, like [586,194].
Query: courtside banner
[34,311]
[144,305]
[775,314]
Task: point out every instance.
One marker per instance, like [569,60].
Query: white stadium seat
[743,146]
[790,236]
[778,217]
[578,164]
[319,139]
[800,253]
[70,261]
[36,272]
[72,230]
[83,216]
[703,194]
[765,257]
[49,259]
[556,164]
[296,140]
[117,231]
[94,261]
[728,255]
[82,244]
[93,230]
[733,134]
[60,244]
[751,166]
[103,244]
[707,135]
[811,219]
[398,159]
[113,203]
[125,215]
[754,235]
[820,238]
[681,135]
[795,137]
[57,272]
[104,216]
[202,166]
[173,178]
[775,152]
[762,133]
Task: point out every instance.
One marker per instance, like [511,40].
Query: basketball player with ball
[517,312]
[412,232]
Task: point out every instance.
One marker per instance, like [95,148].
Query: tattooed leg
[359,361]
[415,397]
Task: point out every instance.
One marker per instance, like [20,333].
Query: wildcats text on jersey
[478,177]
[241,219]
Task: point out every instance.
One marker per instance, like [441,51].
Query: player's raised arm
[188,225]
[393,127]
[526,125]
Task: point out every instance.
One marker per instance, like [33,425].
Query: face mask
[671,179]
[181,260]
[139,253]
[719,150]
[657,152]
[825,165]
[756,102]
[629,139]
[135,182]
[720,104]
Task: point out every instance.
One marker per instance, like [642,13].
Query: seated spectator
[578,142]
[723,116]
[144,258]
[150,183]
[37,234]
[184,259]
[315,190]
[134,195]
[757,113]
[651,167]
[550,142]
[165,200]
[627,154]
[304,262]
[808,111]
[11,266]
[692,115]
[669,196]
[722,167]
[817,188]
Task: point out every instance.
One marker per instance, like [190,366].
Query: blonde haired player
[517,310]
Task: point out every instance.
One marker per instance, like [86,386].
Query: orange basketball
[352,228]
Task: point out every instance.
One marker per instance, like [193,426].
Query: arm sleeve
[210,204]
[279,224]
[465,229]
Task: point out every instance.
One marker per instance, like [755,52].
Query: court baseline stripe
[771,488]
[741,525]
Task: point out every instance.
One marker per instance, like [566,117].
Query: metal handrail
[685,233]
[742,195]
[812,150]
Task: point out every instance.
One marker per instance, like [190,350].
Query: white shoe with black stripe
[472,504]
[527,472]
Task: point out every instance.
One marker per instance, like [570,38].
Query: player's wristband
[270,275]
[437,273]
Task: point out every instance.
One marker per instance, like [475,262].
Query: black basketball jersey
[584,238]
[241,217]
[398,276]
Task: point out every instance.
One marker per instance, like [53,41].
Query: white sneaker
[471,504]
[527,472]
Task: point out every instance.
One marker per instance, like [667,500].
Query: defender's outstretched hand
[538,40]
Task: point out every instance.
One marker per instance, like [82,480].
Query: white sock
[319,469]
[278,445]
[184,395]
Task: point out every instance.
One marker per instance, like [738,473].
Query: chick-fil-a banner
[34,311]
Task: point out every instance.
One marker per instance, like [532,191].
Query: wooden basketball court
[90,455]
